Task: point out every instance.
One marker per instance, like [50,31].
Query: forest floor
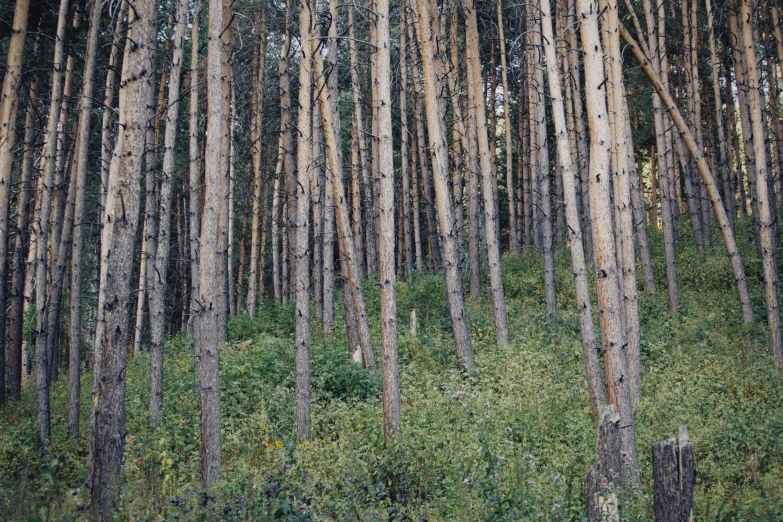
[514,442]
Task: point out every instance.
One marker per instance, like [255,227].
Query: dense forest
[428,260]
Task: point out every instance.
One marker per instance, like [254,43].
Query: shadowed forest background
[428,260]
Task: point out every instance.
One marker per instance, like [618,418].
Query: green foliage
[514,442]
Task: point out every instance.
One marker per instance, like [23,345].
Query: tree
[107,431]
[607,276]
[478,117]
[386,204]
[212,272]
[595,387]
[442,192]
[158,280]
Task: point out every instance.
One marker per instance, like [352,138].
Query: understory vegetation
[513,442]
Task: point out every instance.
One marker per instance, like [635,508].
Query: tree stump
[603,478]
[674,476]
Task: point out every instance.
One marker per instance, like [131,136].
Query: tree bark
[609,301]
[158,279]
[478,118]
[442,193]
[706,176]
[595,387]
[42,232]
[107,433]
[22,246]
[212,257]
[194,213]
[767,212]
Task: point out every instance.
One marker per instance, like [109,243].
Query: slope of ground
[512,443]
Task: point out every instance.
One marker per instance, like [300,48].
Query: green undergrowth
[513,442]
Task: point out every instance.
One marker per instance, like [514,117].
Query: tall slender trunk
[767,212]
[108,100]
[42,233]
[512,220]
[212,255]
[107,432]
[277,272]
[9,100]
[405,171]
[478,118]
[655,44]
[301,262]
[158,281]
[21,247]
[391,388]
[609,300]
[257,134]
[194,190]
[595,387]
[437,143]
[73,225]
[623,172]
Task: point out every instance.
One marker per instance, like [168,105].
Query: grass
[512,443]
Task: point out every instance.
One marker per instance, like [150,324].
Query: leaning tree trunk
[158,275]
[107,433]
[479,118]
[608,284]
[343,219]
[704,172]
[595,387]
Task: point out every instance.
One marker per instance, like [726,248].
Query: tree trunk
[343,217]
[9,100]
[595,387]
[301,262]
[478,118]
[404,153]
[512,221]
[22,246]
[194,213]
[706,177]
[257,134]
[655,43]
[622,173]
[212,257]
[158,281]
[42,233]
[767,212]
[391,387]
[107,433]
[609,301]
[74,249]
[442,193]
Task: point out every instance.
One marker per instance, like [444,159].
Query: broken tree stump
[603,479]
[674,476]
